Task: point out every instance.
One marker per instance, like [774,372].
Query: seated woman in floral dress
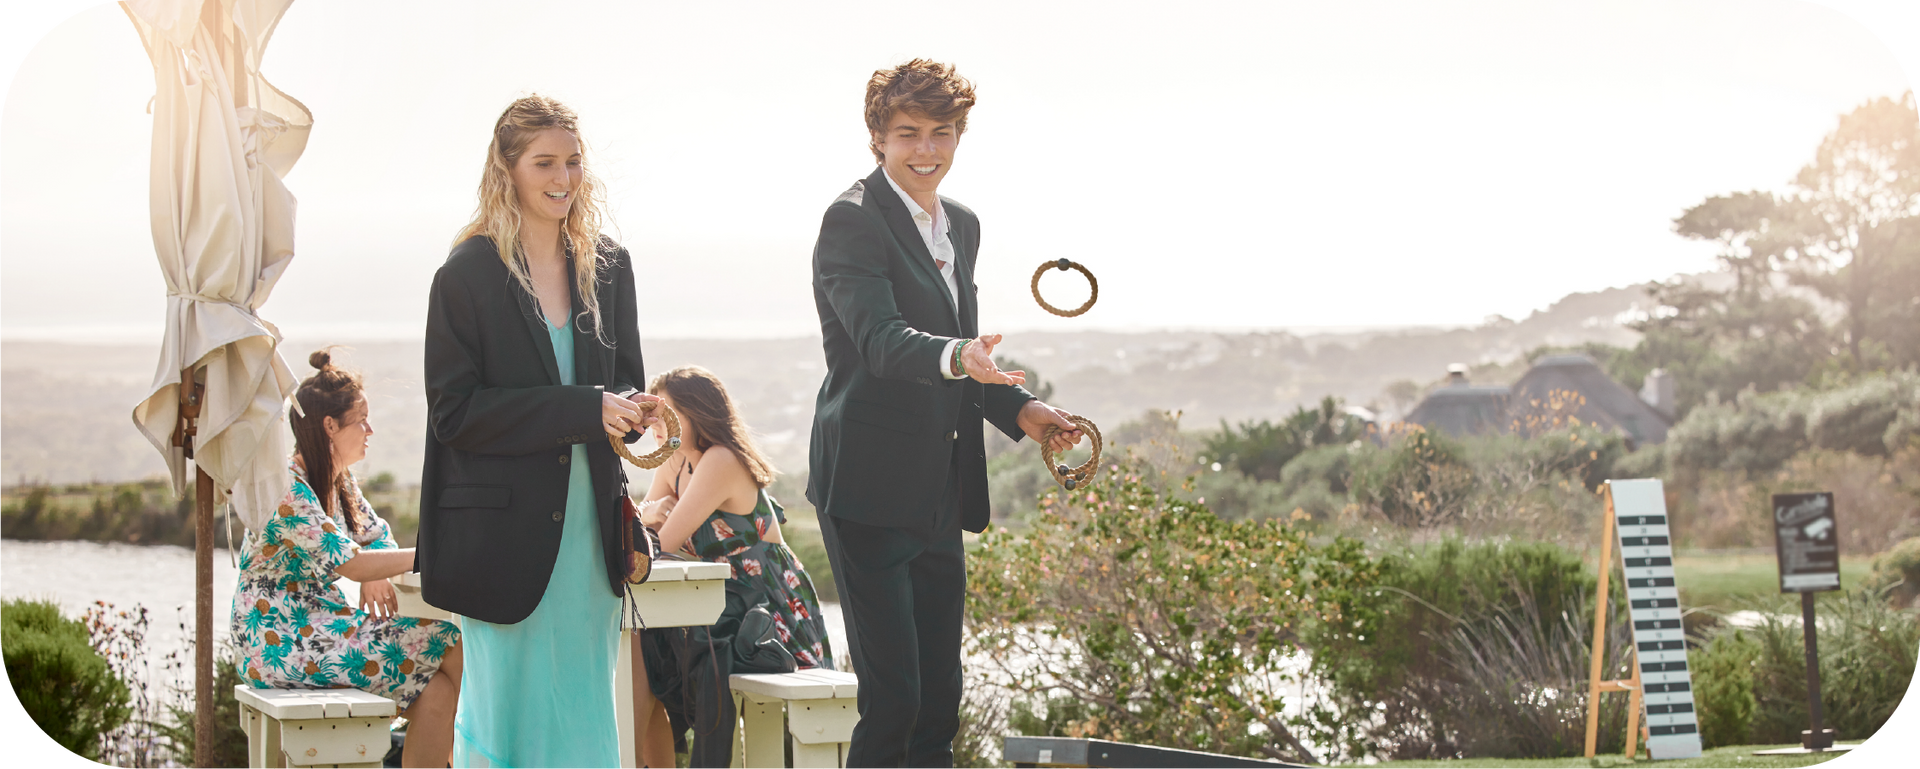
[294,628]
[709,501]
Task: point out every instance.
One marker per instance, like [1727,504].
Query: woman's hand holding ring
[648,416]
[618,415]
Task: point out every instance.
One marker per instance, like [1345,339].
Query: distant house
[1460,408]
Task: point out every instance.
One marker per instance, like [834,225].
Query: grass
[1720,580]
[1732,756]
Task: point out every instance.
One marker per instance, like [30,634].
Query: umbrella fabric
[223,232]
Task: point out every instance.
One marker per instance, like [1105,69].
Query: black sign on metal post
[1808,543]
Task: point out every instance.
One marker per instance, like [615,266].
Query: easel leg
[1600,627]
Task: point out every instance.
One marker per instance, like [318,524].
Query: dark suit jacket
[501,427]
[887,427]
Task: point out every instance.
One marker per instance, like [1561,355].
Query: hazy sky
[1216,165]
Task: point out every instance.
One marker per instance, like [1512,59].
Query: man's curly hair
[923,88]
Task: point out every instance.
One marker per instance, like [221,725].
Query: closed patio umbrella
[223,231]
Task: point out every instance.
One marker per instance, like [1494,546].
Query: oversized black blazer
[887,427]
[501,429]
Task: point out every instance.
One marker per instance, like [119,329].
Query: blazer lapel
[894,211]
[588,353]
[536,323]
[965,253]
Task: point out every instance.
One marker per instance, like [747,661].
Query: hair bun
[320,359]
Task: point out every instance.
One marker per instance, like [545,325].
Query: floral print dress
[294,628]
[772,570]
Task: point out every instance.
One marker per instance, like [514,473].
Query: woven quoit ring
[1064,264]
[659,455]
[1072,477]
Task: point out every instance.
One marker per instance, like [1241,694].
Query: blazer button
[557,515]
[953,435]
[563,458]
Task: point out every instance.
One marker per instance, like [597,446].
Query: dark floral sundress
[772,570]
[294,629]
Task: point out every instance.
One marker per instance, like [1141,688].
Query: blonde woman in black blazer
[532,360]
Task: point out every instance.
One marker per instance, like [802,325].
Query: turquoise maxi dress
[540,692]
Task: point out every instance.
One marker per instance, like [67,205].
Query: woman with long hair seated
[293,625]
[709,501]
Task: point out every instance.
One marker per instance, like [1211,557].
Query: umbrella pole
[203,619]
[191,389]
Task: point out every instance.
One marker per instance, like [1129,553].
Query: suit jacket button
[563,459]
[557,515]
[953,435]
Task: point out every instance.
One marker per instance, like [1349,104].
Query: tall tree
[1863,182]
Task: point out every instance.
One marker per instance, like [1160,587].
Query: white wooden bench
[314,727]
[818,706]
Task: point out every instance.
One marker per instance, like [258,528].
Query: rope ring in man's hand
[1072,477]
[1064,263]
[670,421]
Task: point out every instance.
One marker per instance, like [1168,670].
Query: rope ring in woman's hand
[1064,263]
[1071,477]
[659,456]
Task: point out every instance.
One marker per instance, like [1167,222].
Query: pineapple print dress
[294,628]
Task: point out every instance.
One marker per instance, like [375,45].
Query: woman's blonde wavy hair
[498,214]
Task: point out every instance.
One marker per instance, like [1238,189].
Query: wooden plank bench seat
[314,727]
[820,710]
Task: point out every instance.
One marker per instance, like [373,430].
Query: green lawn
[1720,580]
[1739,756]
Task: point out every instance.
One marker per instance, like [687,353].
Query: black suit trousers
[903,596]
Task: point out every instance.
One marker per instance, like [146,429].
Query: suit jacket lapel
[894,211]
[965,252]
[536,323]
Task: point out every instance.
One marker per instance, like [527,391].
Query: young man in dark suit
[898,462]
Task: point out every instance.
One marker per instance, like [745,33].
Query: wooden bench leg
[824,755]
[763,725]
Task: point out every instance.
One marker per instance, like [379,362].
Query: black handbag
[756,649]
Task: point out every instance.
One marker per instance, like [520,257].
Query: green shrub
[1234,496]
[1755,433]
[1173,626]
[1263,449]
[1897,571]
[1866,663]
[1723,688]
[1862,416]
[1645,462]
[1468,650]
[1419,481]
[65,687]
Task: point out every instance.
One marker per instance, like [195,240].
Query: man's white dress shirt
[934,231]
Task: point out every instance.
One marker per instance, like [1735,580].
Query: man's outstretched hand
[978,359]
[1035,417]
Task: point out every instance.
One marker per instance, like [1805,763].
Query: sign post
[1808,544]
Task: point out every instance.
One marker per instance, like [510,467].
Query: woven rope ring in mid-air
[1063,263]
[670,422]
[1072,477]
